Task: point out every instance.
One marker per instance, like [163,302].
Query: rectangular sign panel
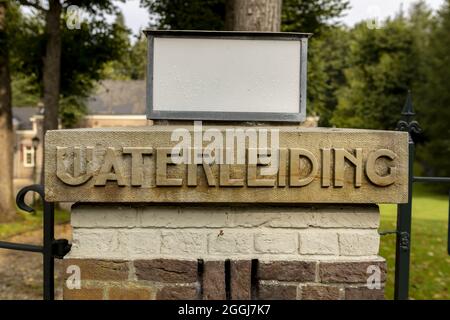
[168,164]
[206,75]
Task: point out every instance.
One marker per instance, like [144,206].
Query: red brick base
[164,279]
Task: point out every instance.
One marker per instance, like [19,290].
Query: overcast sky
[137,18]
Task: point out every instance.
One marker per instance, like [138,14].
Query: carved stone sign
[225,164]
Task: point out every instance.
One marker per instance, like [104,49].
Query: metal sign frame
[227,116]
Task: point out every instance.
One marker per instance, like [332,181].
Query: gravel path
[21,272]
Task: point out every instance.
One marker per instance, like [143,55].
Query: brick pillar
[267,252]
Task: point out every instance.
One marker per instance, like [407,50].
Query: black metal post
[403,248]
[448,228]
[404,211]
[49,281]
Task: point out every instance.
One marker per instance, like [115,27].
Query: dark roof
[118,97]
[22,116]
[112,97]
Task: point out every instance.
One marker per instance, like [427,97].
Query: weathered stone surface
[241,278]
[85,215]
[345,216]
[124,293]
[364,167]
[319,242]
[101,270]
[301,271]
[83,294]
[103,216]
[165,270]
[363,293]
[181,242]
[359,243]
[177,293]
[321,292]
[277,291]
[349,272]
[140,242]
[230,242]
[276,242]
[214,280]
[101,243]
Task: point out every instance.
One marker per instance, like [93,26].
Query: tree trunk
[52,65]
[52,70]
[7,206]
[253,15]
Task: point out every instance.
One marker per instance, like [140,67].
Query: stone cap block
[310,165]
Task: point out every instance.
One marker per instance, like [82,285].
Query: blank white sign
[226,75]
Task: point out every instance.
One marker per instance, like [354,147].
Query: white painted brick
[361,217]
[182,242]
[140,242]
[96,243]
[178,217]
[359,243]
[276,217]
[230,242]
[223,217]
[88,216]
[276,242]
[319,242]
[297,220]
[266,232]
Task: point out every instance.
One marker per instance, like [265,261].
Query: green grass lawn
[430,263]
[28,222]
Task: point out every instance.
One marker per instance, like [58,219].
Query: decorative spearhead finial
[408,123]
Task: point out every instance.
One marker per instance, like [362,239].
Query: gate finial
[407,123]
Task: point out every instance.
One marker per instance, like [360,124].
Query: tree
[296,15]
[86,50]
[311,15]
[67,62]
[253,15]
[132,64]
[327,50]
[51,72]
[327,59]
[187,14]
[382,69]
[7,206]
[433,98]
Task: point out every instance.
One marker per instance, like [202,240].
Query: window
[28,159]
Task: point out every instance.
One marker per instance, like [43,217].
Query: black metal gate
[50,248]
[404,211]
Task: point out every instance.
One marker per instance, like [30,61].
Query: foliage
[297,15]
[187,14]
[85,51]
[25,92]
[327,60]
[24,89]
[433,98]
[381,70]
[132,63]
[312,15]
[71,110]
[407,52]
